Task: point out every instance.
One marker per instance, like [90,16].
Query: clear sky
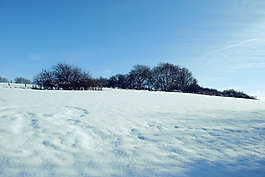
[221,42]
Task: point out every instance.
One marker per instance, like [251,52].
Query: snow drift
[129,133]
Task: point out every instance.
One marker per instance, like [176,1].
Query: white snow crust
[129,133]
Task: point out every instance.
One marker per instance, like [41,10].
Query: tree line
[163,77]
[18,80]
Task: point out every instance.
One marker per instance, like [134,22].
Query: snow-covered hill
[16,86]
[129,133]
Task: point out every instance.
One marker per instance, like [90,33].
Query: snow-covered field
[129,133]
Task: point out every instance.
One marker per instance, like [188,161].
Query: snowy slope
[129,133]
[15,85]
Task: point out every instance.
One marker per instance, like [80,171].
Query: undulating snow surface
[129,133]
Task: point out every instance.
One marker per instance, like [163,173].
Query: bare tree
[21,80]
[140,76]
[193,87]
[169,77]
[62,73]
[185,80]
[86,81]
[64,76]
[165,77]
[112,82]
[122,81]
[69,77]
[119,81]
[102,82]
[45,79]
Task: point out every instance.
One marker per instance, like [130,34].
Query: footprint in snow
[35,124]
[142,137]
[31,114]
[47,115]
[48,144]
[134,131]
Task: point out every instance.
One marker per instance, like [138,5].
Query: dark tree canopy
[21,80]
[45,79]
[118,81]
[165,77]
[64,76]
[67,76]
[122,81]
[186,80]
[102,82]
[236,94]
[139,77]
[169,77]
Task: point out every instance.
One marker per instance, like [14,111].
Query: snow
[129,133]
[15,85]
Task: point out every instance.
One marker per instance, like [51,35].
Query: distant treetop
[21,80]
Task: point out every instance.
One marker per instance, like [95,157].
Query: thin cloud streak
[235,45]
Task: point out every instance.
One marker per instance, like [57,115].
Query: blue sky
[221,42]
